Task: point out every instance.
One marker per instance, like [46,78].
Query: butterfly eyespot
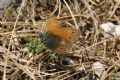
[69,37]
[73,32]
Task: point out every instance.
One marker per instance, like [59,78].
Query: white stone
[117,30]
[98,68]
[107,27]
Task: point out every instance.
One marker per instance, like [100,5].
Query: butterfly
[58,38]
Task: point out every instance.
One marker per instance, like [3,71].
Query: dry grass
[16,61]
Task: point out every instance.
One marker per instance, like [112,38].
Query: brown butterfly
[57,38]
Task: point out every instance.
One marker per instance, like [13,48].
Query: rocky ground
[94,56]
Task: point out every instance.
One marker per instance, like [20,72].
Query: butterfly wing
[69,34]
[51,25]
[64,45]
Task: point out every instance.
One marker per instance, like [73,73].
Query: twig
[6,59]
[71,14]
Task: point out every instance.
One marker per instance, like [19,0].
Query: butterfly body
[57,38]
[50,40]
